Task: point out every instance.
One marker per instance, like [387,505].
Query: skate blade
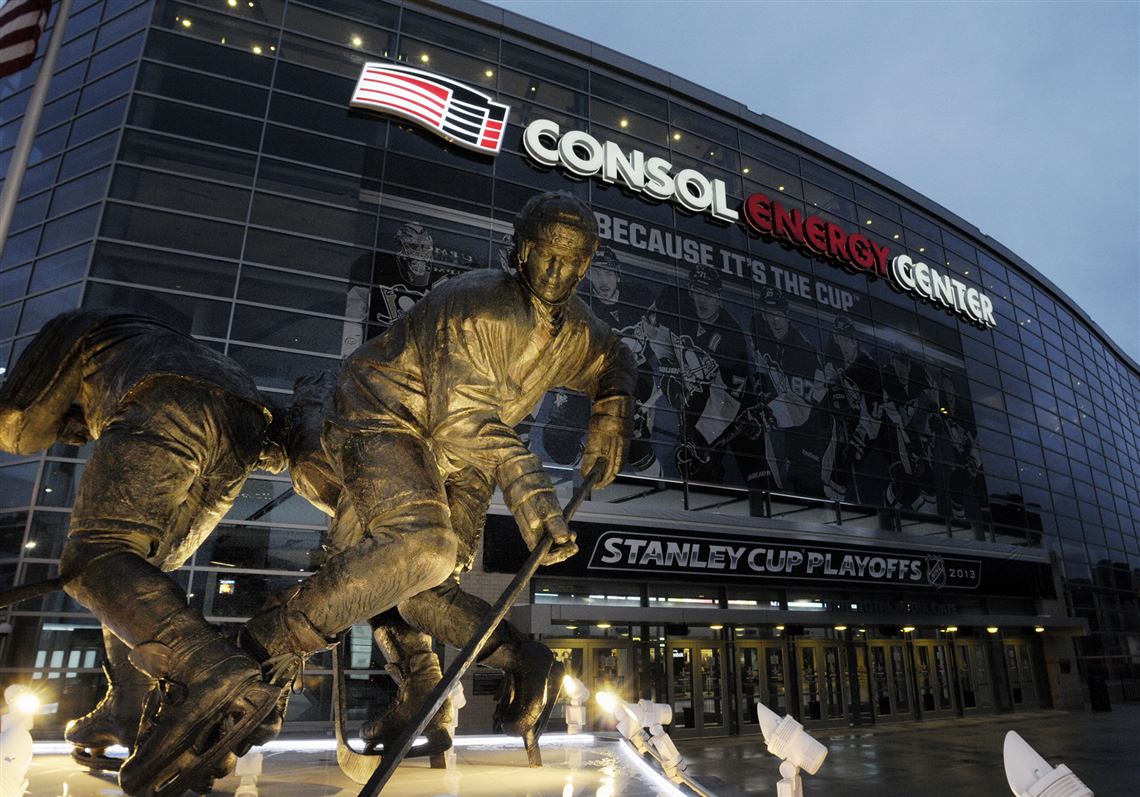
[171,772]
[98,762]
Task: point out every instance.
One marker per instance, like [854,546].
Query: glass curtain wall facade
[198,161]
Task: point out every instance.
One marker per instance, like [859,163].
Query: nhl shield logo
[935,571]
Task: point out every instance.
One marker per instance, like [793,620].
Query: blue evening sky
[1021,117]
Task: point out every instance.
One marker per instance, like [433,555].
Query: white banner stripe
[404,90]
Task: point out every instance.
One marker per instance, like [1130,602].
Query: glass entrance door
[761,669]
[602,665]
[973,677]
[821,681]
[697,688]
[890,681]
[933,678]
[1019,670]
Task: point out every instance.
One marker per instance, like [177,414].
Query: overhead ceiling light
[676,136]
[602,625]
[952,628]
[991,629]
[186,23]
[424,58]
[1040,629]
[357,41]
[908,629]
[489,73]
[716,627]
[623,123]
[840,628]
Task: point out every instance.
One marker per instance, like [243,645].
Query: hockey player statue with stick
[430,406]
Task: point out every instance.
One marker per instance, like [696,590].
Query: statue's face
[554,263]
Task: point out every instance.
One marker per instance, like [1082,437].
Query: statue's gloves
[607,438]
[529,495]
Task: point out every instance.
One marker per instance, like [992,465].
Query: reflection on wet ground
[574,767]
[942,758]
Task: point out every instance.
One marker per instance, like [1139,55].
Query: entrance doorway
[890,681]
[762,673]
[974,683]
[1019,671]
[603,665]
[697,688]
[933,681]
[821,683]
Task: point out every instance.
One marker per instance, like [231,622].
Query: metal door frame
[727,697]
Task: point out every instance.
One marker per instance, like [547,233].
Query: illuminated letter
[616,165]
[534,145]
[693,190]
[571,147]
[900,272]
[659,184]
[758,213]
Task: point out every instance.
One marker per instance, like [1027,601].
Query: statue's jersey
[469,361]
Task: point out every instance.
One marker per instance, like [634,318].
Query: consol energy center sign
[583,155]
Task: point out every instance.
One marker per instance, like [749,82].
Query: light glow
[608,701]
[991,629]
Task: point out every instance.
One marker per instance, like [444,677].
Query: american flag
[455,111]
[21,23]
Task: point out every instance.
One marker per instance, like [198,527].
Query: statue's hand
[529,495]
[607,439]
[538,514]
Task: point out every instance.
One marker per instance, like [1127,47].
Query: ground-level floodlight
[16,739]
[633,718]
[1030,775]
[788,741]
[575,713]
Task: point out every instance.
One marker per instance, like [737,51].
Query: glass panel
[749,682]
[683,688]
[1014,675]
[611,671]
[966,678]
[809,686]
[777,692]
[942,673]
[712,709]
[898,674]
[880,682]
[833,674]
[16,483]
[925,679]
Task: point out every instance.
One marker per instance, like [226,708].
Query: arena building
[882,469]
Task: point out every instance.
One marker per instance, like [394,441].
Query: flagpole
[19,163]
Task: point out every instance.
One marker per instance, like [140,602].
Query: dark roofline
[545,35]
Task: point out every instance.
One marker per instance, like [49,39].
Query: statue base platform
[484,766]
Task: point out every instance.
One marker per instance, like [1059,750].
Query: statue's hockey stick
[467,655]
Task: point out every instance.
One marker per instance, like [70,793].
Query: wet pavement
[942,758]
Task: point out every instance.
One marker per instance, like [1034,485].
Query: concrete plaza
[945,758]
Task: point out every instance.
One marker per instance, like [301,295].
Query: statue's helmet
[557,217]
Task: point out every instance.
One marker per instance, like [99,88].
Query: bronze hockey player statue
[421,428]
[446,613]
[177,428]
